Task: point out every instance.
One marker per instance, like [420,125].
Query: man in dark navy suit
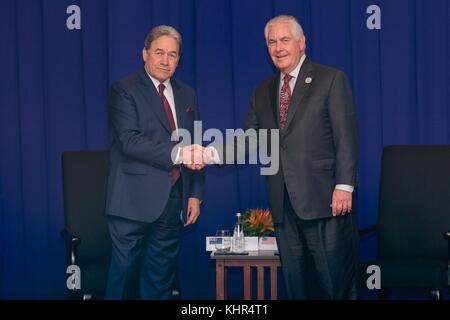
[149,196]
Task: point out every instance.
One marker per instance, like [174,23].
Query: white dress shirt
[168,93]
[293,81]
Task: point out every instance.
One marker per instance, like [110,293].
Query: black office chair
[414,218]
[86,231]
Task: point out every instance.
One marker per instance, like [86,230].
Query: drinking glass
[223,241]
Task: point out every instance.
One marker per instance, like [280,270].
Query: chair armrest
[72,243]
[447,237]
[366,231]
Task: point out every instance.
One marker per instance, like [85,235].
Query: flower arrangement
[258,222]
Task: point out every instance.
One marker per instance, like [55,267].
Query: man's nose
[278,47]
[165,60]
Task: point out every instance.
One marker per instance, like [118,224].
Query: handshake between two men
[196,157]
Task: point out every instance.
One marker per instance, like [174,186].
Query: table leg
[247,283]
[220,280]
[273,283]
[260,282]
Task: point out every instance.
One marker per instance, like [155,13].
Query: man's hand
[341,203]
[209,155]
[193,211]
[192,156]
[196,157]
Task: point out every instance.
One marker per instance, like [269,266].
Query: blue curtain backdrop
[54,85]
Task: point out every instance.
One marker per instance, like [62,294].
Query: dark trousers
[319,257]
[144,255]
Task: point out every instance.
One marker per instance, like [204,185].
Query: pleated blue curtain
[55,83]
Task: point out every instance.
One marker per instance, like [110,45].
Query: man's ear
[144,54]
[303,42]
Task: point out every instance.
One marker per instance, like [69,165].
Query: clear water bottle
[238,235]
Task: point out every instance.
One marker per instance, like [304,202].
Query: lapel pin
[308,80]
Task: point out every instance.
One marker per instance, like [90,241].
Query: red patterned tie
[285,99]
[170,119]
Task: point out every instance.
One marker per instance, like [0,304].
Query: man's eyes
[274,42]
[172,54]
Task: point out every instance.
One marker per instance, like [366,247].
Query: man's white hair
[297,29]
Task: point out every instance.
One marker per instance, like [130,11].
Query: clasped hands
[196,157]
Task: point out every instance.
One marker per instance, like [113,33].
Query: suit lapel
[300,90]
[273,92]
[179,103]
[154,100]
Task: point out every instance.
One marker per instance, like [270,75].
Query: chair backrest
[84,179]
[414,208]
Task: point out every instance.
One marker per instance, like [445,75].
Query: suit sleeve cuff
[345,187]
[214,155]
[177,158]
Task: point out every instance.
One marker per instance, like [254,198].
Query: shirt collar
[294,73]
[157,82]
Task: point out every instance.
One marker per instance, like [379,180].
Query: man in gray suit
[311,194]
[149,196]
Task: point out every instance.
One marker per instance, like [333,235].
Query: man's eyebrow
[282,38]
[162,50]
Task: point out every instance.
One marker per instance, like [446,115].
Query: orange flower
[258,222]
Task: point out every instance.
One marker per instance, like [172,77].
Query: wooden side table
[255,259]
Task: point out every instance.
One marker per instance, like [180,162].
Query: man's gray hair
[297,29]
[160,31]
